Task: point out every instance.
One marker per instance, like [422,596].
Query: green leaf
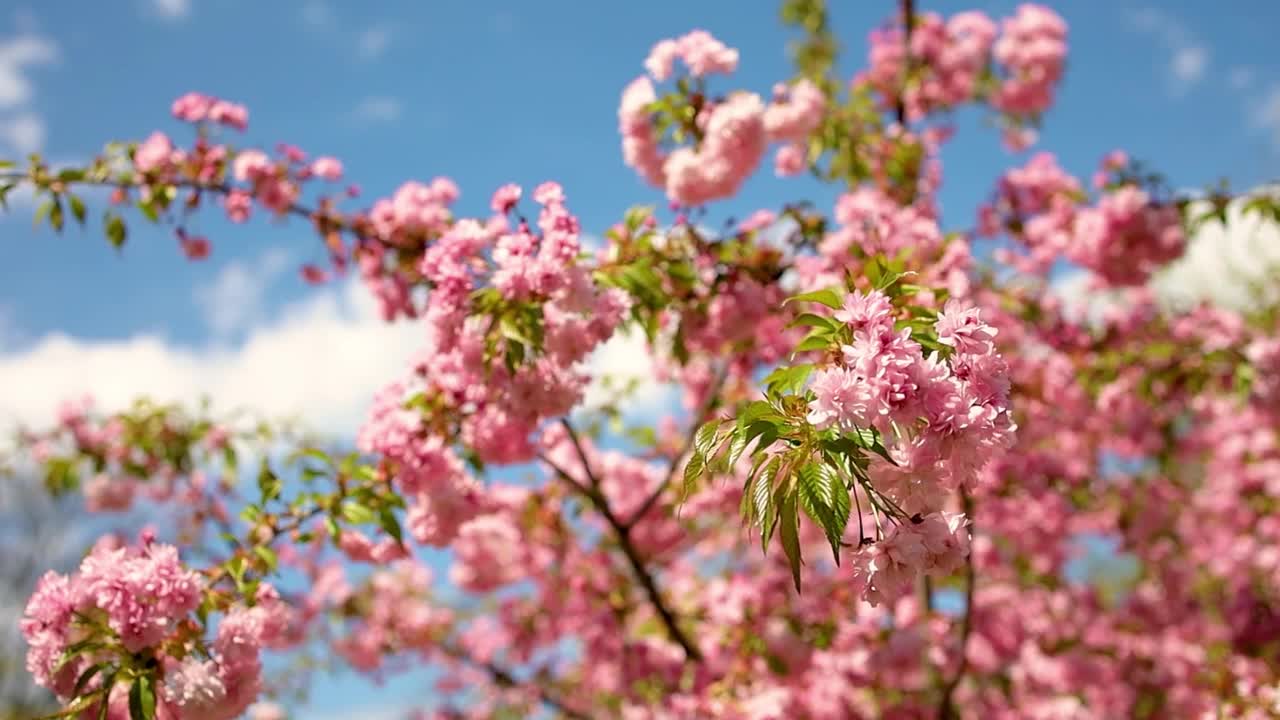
[692,471]
[43,212]
[77,208]
[812,320]
[149,210]
[816,340]
[269,485]
[388,522]
[789,533]
[825,499]
[116,231]
[55,215]
[142,699]
[706,438]
[827,296]
[83,681]
[358,514]
[762,494]
[786,379]
[268,556]
[644,436]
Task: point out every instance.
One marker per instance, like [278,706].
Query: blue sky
[485,93]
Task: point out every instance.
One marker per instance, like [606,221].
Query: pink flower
[155,154]
[192,689]
[229,114]
[487,554]
[661,59]
[705,55]
[505,198]
[733,143]
[251,165]
[238,203]
[790,160]
[313,275]
[328,168]
[192,107]
[194,247]
[962,329]
[105,494]
[795,112]
[759,220]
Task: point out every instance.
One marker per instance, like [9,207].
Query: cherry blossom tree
[864,509]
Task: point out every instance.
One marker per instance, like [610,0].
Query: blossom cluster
[732,133]
[128,456]
[950,62]
[1123,237]
[943,421]
[535,275]
[130,603]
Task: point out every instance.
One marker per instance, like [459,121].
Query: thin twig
[708,406]
[945,709]
[623,533]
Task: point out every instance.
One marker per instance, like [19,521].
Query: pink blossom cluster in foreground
[146,596]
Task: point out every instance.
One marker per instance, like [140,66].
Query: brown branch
[623,533]
[503,678]
[908,23]
[336,222]
[707,407]
[945,709]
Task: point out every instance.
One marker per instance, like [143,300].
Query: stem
[945,709]
[908,22]
[623,532]
[703,414]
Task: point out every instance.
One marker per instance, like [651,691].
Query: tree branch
[712,397]
[908,23]
[945,709]
[335,221]
[623,533]
[503,678]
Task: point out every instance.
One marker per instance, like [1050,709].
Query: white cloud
[377,109]
[372,42]
[23,133]
[321,361]
[172,9]
[1265,114]
[317,14]
[1235,266]
[1189,64]
[17,55]
[1188,59]
[626,362]
[233,300]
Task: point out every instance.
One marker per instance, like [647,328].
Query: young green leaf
[827,296]
[789,532]
[142,699]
